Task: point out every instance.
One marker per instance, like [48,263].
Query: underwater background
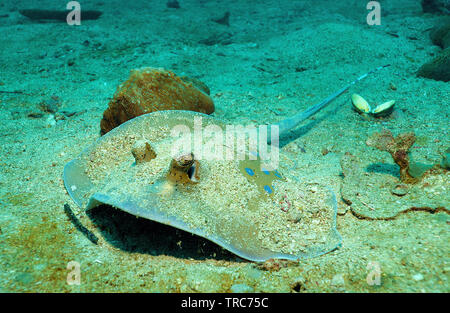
[261,62]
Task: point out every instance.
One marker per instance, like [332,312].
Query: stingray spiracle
[184,169]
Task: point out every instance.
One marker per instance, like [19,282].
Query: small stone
[241,288]
[294,215]
[143,151]
[400,190]
[418,277]
[50,121]
[338,280]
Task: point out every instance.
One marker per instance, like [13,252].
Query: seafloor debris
[398,148]
[151,89]
[59,15]
[379,195]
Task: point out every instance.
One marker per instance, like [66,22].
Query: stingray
[179,168]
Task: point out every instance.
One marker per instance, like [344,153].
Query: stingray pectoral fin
[77,184]
[237,236]
[217,207]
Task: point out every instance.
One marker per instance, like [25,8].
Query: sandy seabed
[276,58]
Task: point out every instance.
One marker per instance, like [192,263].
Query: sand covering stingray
[253,212]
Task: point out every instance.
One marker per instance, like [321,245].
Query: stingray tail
[290,123]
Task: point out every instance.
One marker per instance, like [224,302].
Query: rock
[173,4]
[151,89]
[440,35]
[436,6]
[197,83]
[438,68]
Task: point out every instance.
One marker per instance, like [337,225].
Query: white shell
[360,104]
[384,108]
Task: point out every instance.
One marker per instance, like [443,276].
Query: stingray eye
[184,169]
[143,151]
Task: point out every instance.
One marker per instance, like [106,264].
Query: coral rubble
[398,148]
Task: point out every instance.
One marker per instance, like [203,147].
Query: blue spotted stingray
[106,173]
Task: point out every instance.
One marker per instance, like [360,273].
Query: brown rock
[151,89]
[438,68]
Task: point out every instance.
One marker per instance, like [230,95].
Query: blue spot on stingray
[277,174]
[249,171]
[265,171]
[268,189]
